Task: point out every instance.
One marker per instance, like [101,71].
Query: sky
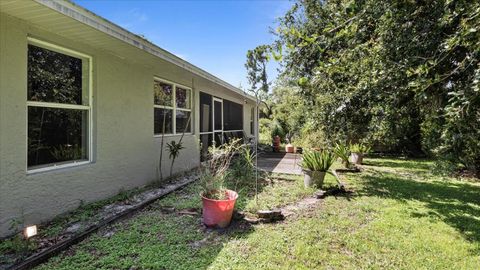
[213,35]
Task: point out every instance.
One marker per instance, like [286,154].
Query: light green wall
[125,151]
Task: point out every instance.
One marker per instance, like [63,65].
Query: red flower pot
[218,213]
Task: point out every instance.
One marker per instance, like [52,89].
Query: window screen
[205,112]
[232,115]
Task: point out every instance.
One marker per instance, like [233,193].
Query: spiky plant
[343,152]
[317,160]
[360,148]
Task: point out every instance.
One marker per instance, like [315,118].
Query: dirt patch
[190,212]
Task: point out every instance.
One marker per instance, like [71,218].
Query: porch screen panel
[205,112]
[232,115]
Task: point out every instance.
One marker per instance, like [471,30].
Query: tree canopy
[403,75]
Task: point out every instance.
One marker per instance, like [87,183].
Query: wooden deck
[279,163]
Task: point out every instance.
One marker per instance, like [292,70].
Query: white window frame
[174,108]
[88,108]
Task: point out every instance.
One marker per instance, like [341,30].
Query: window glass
[56,135]
[183,122]
[183,97]
[163,121]
[163,94]
[55,77]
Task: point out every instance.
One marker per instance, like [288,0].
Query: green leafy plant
[174,148]
[343,152]
[67,152]
[174,151]
[243,168]
[317,160]
[18,243]
[277,129]
[360,148]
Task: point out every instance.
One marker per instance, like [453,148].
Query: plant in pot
[343,152]
[315,165]
[358,151]
[218,201]
[289,148]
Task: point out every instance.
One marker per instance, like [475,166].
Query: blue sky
[213,35]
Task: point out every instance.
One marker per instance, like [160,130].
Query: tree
[256,66]
[401,74]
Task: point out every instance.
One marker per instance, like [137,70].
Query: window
[172,108]
[59,107]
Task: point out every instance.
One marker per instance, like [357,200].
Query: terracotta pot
[356,158]
[289,148]
[276,143]
[218,213]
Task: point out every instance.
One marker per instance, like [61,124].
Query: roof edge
[101,24]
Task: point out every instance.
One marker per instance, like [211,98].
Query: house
[83,104]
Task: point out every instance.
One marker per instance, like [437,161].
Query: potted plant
[289,148]
[218,201]
[315,165]
[358,150]
[343,152]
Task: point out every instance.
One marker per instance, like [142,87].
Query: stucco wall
[125,152]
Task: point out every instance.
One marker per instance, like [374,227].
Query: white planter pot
[356,158]
[307,178]
[311,178]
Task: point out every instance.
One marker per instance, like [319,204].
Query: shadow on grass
[457,204]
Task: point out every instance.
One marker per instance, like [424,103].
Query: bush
[264,130]
[311,137]
[269,129]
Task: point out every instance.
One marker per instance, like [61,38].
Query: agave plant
[360,148]
[317,160]
[343,152]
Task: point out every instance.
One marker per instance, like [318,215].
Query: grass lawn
[400,217]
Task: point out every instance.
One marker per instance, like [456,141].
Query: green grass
[400,217]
